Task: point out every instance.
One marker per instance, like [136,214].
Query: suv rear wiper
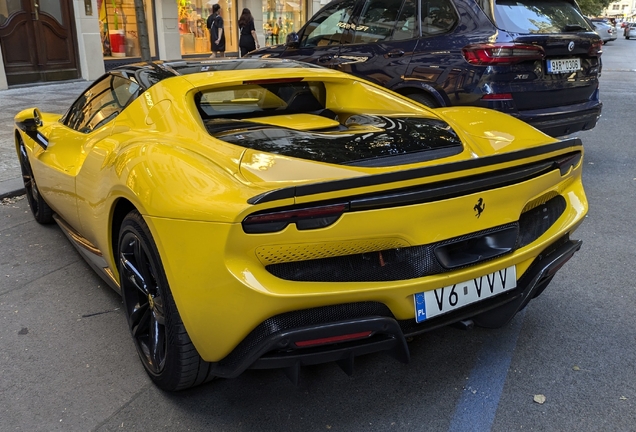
[574,27]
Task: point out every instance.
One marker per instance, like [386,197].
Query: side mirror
[29,122]
[292,40]
[37,117]
[33,122]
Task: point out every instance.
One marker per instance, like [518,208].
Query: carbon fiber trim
[297,319]
[420,261]
[387,265]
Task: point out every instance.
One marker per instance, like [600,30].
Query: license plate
[558,66]
[429,304]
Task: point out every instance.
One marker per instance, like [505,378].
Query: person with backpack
[248,41]
[217,35]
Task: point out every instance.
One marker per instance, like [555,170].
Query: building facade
[81,39]
[621,10]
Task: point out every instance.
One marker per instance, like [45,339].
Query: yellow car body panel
[194,192]
[252,296]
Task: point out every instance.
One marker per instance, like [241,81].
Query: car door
[319,40]
[70,140]
[381,42]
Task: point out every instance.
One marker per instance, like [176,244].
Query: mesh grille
[302,252]
[385,265]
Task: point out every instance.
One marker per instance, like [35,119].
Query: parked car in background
[538,61]
[273,214]
[605,29]
[630,30]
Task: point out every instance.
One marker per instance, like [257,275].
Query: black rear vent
[402,263]
[535,222]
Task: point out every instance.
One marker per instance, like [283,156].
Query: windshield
[534,17]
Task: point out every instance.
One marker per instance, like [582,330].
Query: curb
[11,188]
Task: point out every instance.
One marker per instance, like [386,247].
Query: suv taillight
[596,49]
[501,54]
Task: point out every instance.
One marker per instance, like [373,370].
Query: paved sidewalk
[50,97]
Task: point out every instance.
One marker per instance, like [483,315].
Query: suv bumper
[564,120]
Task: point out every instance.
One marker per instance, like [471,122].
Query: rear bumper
[563,120]
[275,342]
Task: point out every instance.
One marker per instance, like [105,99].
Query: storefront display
[195,36]
[281,18]
[118,24]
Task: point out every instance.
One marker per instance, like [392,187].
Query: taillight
[569,161]
[304,218]
[596,49]
[500,54]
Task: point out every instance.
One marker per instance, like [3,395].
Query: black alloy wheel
[40,209]
[162,342]
[143,302]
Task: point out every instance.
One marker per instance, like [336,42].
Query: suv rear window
[533,17]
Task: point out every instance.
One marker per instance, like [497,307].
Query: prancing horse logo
[479,207]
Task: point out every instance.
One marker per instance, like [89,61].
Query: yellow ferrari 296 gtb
[273,214]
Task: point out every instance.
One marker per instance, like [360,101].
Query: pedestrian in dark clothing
[248,40]
[217,35]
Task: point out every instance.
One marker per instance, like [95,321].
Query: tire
[39,208]
[424,99]
[162,342]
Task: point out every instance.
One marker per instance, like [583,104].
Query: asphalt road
[67,362]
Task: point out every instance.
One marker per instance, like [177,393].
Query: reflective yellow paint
[193,190]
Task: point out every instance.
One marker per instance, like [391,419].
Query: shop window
[280,19]
[195,36]
[119,28]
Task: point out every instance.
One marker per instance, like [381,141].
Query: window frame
[84,114]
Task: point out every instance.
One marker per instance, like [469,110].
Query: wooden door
[38,40]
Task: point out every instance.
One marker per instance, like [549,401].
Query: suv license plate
[429,304]
[564,65]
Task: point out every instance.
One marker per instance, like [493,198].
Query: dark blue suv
[538,60]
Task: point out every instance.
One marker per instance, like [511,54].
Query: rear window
[257,100]
[289,117]
[536,17]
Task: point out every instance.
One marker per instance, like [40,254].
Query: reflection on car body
[478,51]
[273,214]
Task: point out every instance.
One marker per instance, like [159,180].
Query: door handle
[36,7]
[396,53]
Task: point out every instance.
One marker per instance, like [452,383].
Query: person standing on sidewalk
[248,41]
[217,35]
